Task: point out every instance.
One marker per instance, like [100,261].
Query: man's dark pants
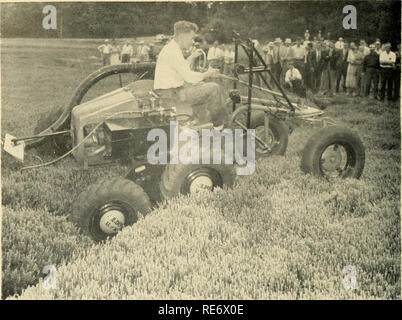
[205,99]
[277,70]
[106,59]
[125,58]
[396,75]
[371,76]
[386,81]
[317,79]
[297,88]
[341,72]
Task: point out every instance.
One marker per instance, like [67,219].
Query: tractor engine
[118,124]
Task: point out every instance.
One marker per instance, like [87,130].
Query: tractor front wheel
[334,152]
[105,208]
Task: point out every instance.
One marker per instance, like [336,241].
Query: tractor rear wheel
[334,152]
[105,208]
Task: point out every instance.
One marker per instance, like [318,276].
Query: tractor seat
[141,89]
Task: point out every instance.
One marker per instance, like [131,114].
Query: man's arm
[182,67]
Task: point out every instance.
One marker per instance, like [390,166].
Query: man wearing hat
[126,52]
[176,83]
[309,66]
[378,46]
[105,50]
[284,57]
[371,66]
[387,63]
[342,67]
[143,51]
[276,63]
[339,44]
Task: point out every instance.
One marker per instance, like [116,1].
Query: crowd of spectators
[329,67]
[318,64]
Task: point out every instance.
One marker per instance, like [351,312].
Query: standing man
[363,44]
[317,67]
[126,52]
[298,54]
[143,52]
[342,67]
[284,57]
[396,74]
[387,63]
[276,63]
[309,66]
[340,44]
[378,46]
[215,56]
[175,81]
[105,50]
[371,66]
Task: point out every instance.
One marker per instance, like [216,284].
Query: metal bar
[41,136]
[250,85]
[265,82]
[235,61]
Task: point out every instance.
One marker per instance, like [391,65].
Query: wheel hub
[112,221]
[201,183]
[331,160]
[260,133]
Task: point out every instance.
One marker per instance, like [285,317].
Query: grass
[277,234]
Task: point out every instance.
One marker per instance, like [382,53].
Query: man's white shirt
[292,74]
[172,70]
[387,57]
[214,53]
[105,48]
[127,49]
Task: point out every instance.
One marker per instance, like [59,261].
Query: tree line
[262,20]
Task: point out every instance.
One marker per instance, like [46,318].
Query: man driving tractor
[175,81]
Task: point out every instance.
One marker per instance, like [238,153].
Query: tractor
[113,128]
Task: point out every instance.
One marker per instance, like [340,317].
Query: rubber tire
[174,175]
[279,130]
[324,137]
[98,194]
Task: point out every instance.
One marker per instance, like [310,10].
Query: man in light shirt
[366,49]
[176,83]
[215,56]
[126,52]
[105,49]
[387,63]
[298,55]
[293,79]
[143,51]
[340,44]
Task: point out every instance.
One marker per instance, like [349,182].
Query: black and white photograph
[200,151]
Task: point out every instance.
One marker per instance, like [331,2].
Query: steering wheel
[202,62]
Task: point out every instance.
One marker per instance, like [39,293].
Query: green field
[277,234]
